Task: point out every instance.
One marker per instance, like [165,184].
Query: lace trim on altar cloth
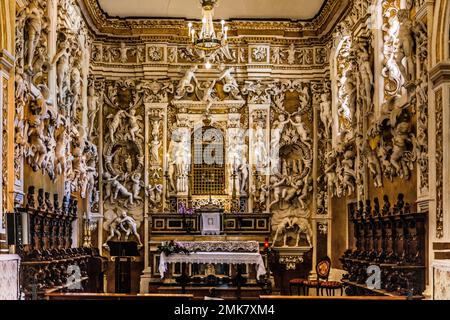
[214,258]
[220,246]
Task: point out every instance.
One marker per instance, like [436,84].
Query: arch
[441,32]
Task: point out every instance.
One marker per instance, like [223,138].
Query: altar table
[214,258]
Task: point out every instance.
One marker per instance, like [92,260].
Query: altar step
[226,292]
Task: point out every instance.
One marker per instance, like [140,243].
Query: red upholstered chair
[296,283]
[323,268]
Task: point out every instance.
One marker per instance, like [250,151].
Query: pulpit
[123,253]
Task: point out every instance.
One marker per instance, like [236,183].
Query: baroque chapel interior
[224,149]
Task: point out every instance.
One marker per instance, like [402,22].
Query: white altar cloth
[214,258]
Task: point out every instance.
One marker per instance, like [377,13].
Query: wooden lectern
[123,253]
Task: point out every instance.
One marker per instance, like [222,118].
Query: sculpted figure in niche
[405,46]
[243,171]
[61,59]
[34,24]
[154,147]
[259,147]
[325,114]
[154,194]
[277,130]
[366,74]
[185,83]
[92,104]
[75,88]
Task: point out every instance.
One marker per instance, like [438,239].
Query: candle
[193,35]
[222,22]
[190,27]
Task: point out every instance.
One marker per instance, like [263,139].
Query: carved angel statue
[137,185]
[135,129]
[400,141]
[301,130]
[276,183]
[36,140]
[115,123]
[61,150]
[185,83]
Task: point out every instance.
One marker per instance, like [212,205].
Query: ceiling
[227,9]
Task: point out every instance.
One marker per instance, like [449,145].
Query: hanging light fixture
[206,39]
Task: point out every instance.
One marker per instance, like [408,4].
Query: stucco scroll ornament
[185,85]
[157,91]
[391,70]
[230,83]
[257,92]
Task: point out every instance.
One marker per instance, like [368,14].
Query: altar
[216,252]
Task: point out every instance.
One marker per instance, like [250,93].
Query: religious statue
[405,50]
[366,76]
[289,224]
[92,104]
[301,130]
[137,184]
[61,59]
[135,130]
[34,24]
[325,114]
[115,123]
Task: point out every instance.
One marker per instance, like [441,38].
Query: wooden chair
[297,283]
[323,268]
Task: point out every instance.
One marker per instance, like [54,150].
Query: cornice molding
[440,74]
[104,25]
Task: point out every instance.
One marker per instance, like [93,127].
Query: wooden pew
[116,296]
[370,298]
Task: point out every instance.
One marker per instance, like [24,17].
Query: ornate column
[7,105]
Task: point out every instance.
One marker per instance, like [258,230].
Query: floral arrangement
[170,247]
[183,210]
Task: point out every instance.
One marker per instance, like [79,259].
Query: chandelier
[206,39]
